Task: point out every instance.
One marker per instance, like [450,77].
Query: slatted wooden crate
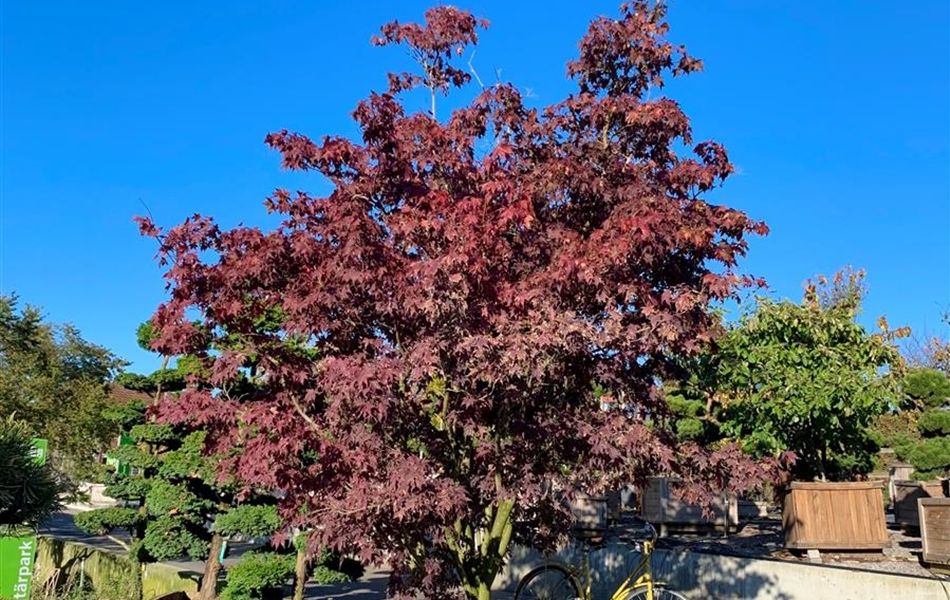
[935,529]
[660,506]
[835,516]
[593,513]
[897,472]
[906,494]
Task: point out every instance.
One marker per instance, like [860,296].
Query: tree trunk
[300,573]
[481,564]
[209,581]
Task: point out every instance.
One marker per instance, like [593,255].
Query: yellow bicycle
[561,581]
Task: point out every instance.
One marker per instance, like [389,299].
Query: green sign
[39,450]
[122,468]
[16,566]
[17,552]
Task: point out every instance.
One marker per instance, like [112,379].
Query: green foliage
[248,519]
[188,461]
[29,492]
[895,429]
[164,379]
[329,567]
[177,503]
[144,335]
[256,573]
[168,380]
[167,498]
[135,457]
[690,429]
[126,415]
[259,572]
[324,575]
[920,432]
[70,589]
[176,484]
[57,382]
[154,433]
[169,538]
[690,421]
[931,458]
[807,378]
[934,422]
[925,389]
[135,381]
[102,521]
[126,487]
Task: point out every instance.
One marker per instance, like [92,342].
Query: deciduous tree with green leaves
[56,382]
[808,378]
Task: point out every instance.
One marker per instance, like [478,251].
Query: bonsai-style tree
[694,401]
[176,491]
[925,390]
[919,432]
[440,320]
[165,379]
[807,378]
[176,488]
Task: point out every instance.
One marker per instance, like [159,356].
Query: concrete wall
[60,563]
[699,576]
[112,576]
[160,580]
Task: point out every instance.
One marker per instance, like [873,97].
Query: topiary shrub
[934,422]
[333,568]
[258,576]
[103,520]
[924,389]
[252,520]
[931,458]
[920,432]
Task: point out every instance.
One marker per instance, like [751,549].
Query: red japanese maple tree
[427,344]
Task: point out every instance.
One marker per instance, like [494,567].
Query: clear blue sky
[836,114]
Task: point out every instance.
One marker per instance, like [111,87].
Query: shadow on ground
[371,586]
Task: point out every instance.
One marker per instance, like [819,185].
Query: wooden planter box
[906,494]
[660,506]
[895,473]
[835,516]
[935,529]
[595,513]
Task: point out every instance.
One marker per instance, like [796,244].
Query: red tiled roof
[123,395]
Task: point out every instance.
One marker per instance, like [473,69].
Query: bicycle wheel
[659,593]
[548,583]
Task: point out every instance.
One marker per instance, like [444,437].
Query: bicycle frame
[640,576]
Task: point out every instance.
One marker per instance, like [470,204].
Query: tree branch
[313,424]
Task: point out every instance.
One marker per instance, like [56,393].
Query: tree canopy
[808,378]
[56,381]
[426,340]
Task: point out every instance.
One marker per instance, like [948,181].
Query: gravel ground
[763,539]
